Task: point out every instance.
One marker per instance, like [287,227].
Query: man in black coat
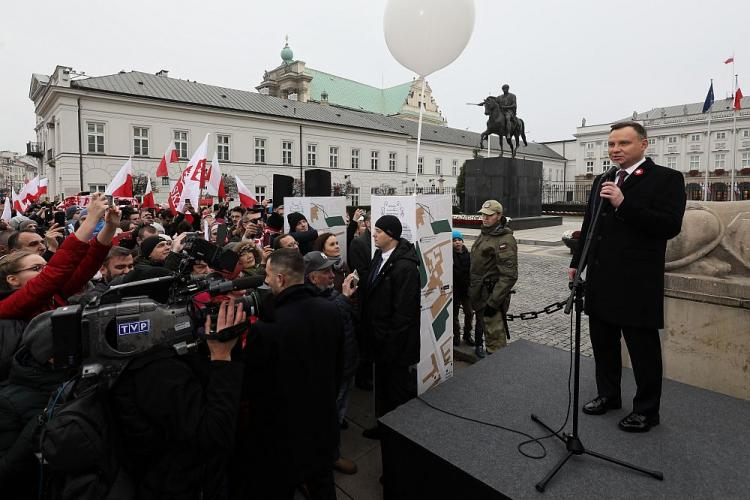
[293,374]
[461,279]
[391,313]
[641,211]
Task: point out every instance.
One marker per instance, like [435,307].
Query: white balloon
[426,35]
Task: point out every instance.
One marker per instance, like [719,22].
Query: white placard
[427,223]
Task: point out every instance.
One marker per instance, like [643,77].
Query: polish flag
[246,200]
[42,187]
[148,198]
[122,184]
[18,202]
[7,214]
[738,99]
[188,187]
[215,186]
[730,60]
[31,190]
[170,156]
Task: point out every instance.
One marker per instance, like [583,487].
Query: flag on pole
[215,186]
[246,199]
[148,197]
[188,186]
[122,184]
[43,183]
[709,99]
[7,214]
[170,156]
[31,190]
[730,60]
[18,202]
[738,99]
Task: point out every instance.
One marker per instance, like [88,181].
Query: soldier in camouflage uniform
[494,271]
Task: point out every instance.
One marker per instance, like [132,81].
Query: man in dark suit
[642,209]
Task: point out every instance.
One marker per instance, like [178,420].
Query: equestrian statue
[503,121]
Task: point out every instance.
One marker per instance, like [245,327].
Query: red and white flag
[122,184]
[170,156]
[31,190]
[730,60]
[148,198]
[7,214]
[215,181]
[246,199]
[738,99]
[43,183]
[188,186]
[18,202]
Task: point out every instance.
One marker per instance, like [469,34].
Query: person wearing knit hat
[391,310]
[390,225]
[155,249]
[295,218]
[461,277]
[300,230]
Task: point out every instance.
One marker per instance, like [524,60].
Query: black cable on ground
[531,439]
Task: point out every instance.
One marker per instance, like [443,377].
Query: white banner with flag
[427,223]
[188,186]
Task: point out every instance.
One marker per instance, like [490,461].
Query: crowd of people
[255,416]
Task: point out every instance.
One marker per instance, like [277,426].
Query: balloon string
[419,136]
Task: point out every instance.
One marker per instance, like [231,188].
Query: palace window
[454,169]
[438,166]
[355,160]
[391,162]
[420,165]
[695,162]
[312,155]
[374,160]
[333,157]
[95,137]
[181,143]
[140,141]
[260,150]
[286,152]
[222,147]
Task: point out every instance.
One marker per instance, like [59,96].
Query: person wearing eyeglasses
[29,285]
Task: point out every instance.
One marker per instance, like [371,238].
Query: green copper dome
[286,53]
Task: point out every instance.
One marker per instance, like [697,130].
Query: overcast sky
[563,59]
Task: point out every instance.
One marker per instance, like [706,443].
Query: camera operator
[292,380]
[177,416]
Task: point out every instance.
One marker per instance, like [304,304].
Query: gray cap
[317,261]
[491,207]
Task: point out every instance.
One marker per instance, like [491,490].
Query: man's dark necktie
[621,177]
[376,267]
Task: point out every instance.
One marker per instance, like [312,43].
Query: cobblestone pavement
[542,280]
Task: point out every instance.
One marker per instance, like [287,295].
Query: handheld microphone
[610,174]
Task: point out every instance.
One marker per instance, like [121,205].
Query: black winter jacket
[461,272]
[177,419]
[22,398]
[351,350]
[391,307]
[293,373]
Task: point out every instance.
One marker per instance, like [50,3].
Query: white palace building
[297,118]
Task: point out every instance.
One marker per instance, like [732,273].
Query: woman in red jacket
[29,285]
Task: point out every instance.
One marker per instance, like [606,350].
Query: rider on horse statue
[507,103]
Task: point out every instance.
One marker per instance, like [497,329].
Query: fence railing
[577,192]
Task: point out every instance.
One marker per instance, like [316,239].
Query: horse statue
[496,125]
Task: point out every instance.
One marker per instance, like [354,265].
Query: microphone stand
[572,441]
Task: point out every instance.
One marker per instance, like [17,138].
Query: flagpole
[708,152]
[734,140]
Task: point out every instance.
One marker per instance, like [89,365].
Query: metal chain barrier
[552,308]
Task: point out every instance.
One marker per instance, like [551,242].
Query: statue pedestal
[706,337]
[516,183]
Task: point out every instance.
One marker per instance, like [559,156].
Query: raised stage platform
[702,445]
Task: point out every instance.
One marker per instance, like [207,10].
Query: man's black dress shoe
[372,433]
[635,422]
[600,404]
